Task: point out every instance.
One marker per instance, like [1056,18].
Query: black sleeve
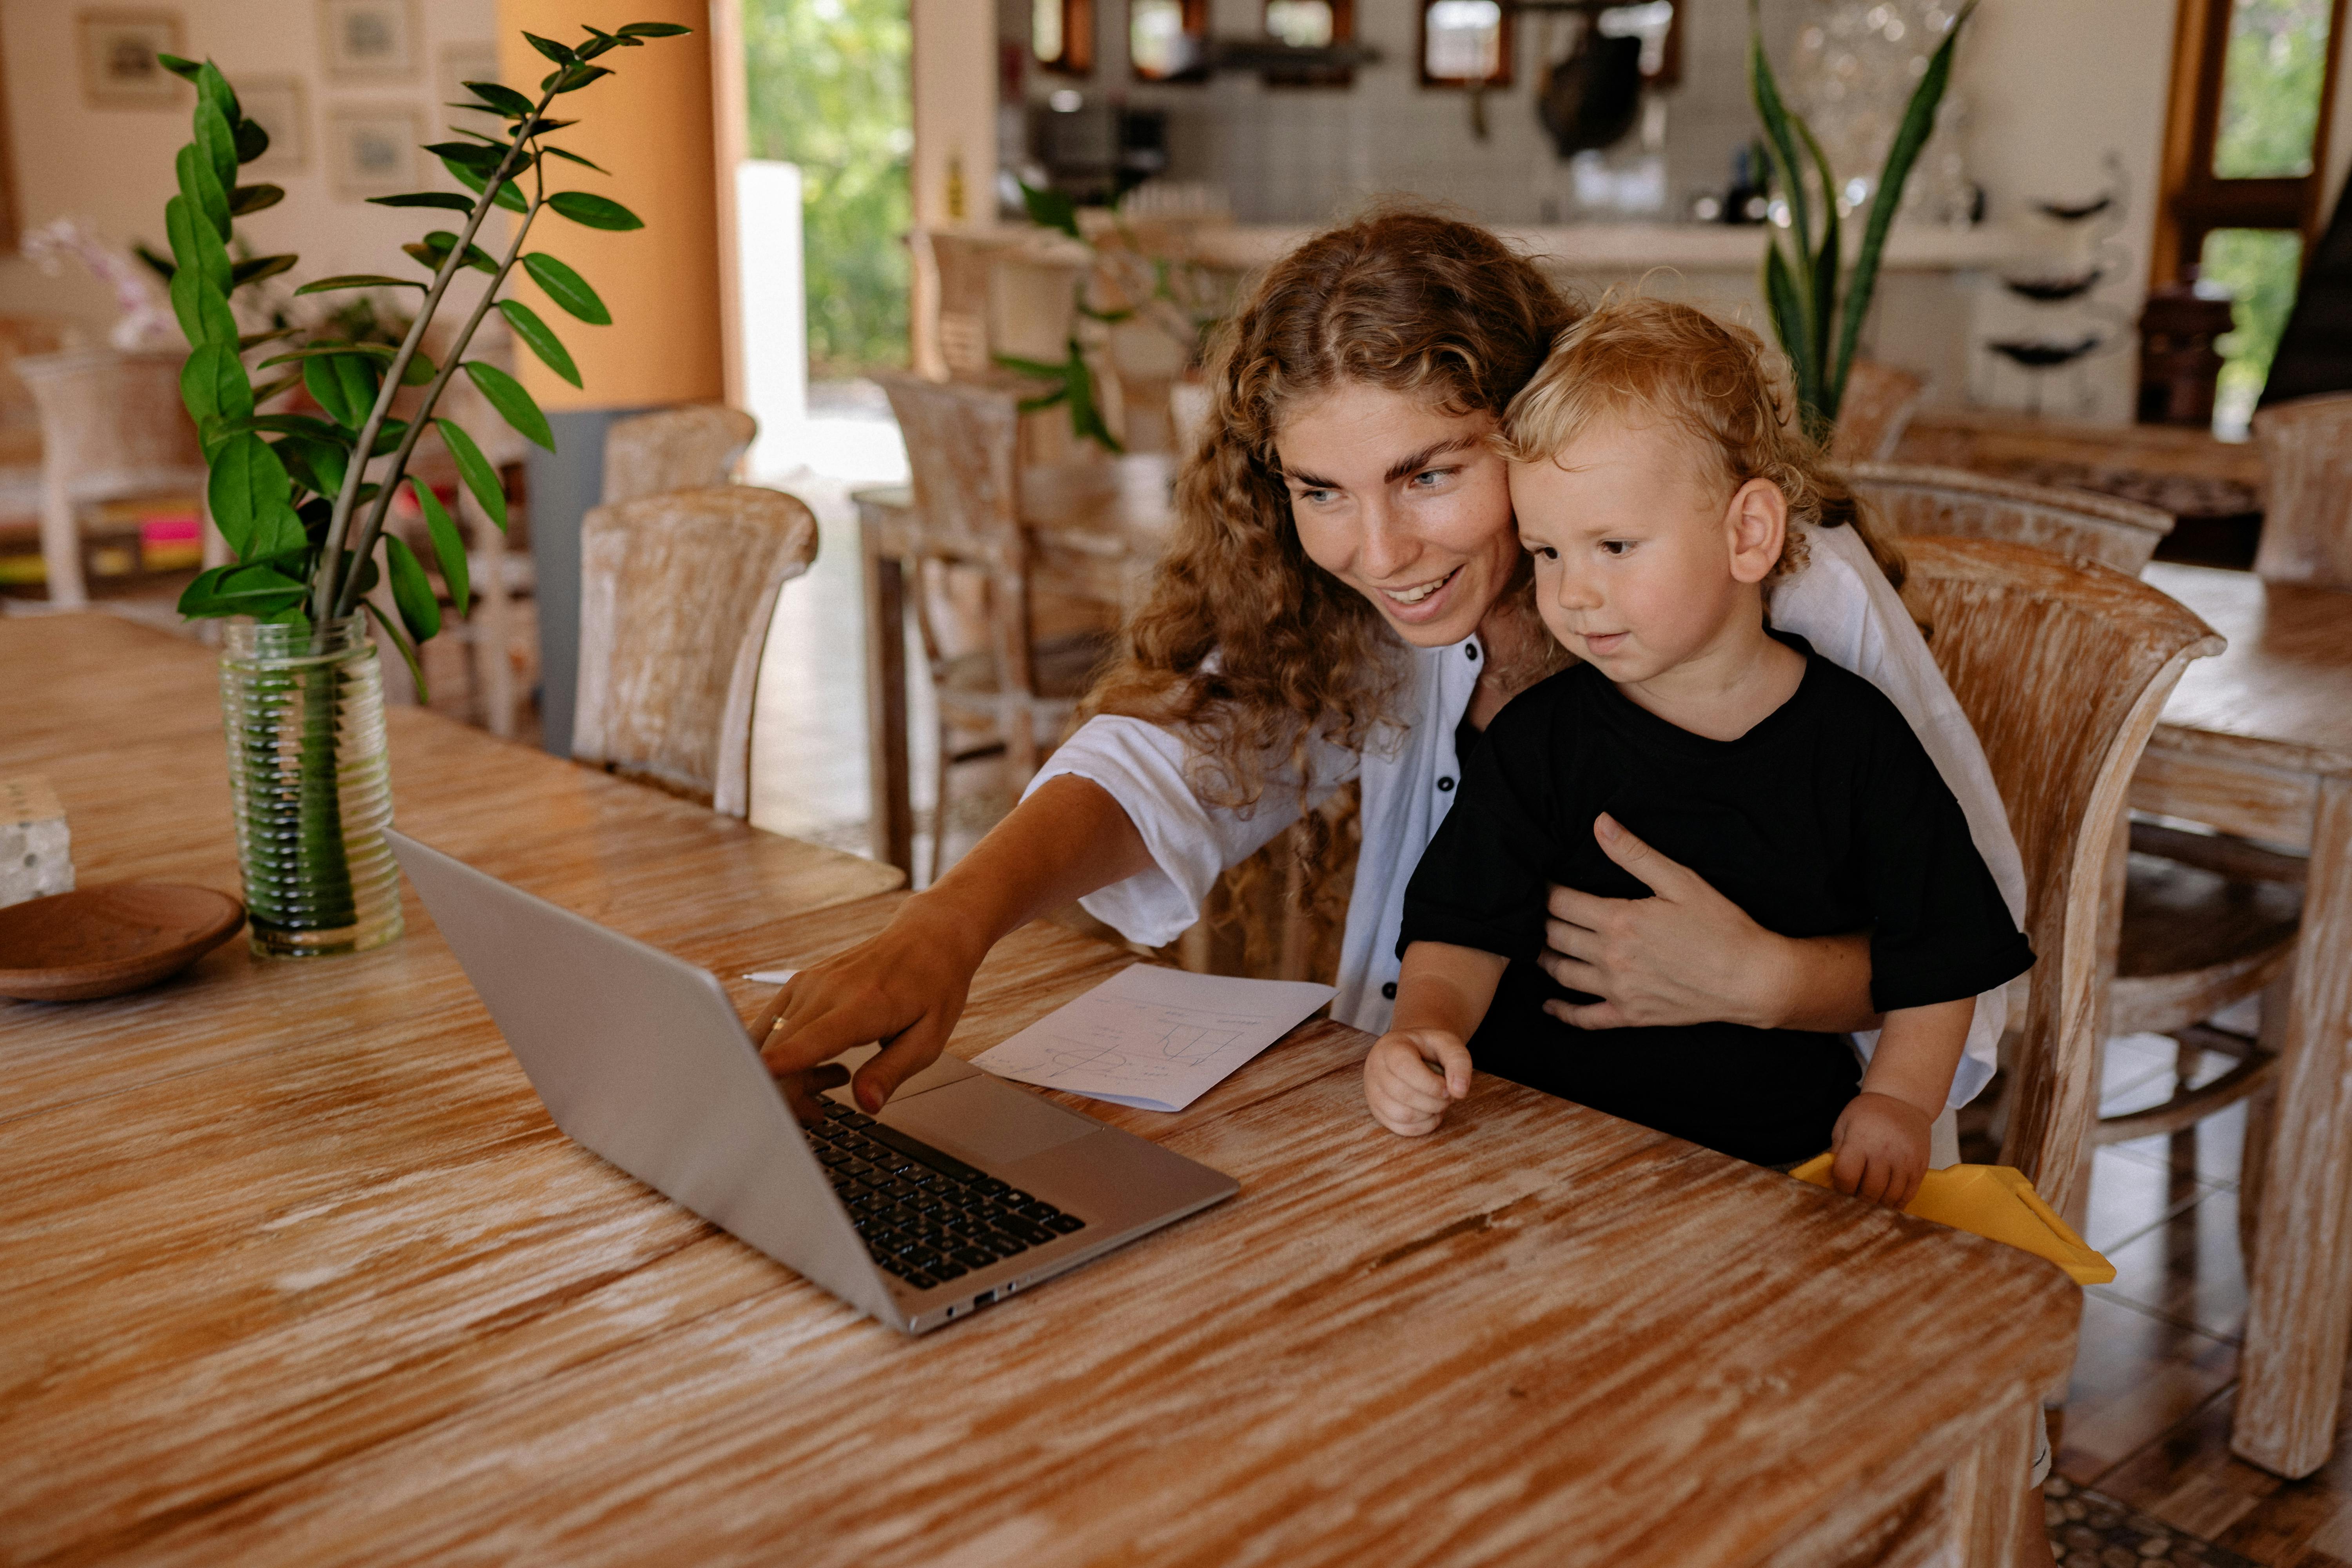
[1942,930]
[1480,883]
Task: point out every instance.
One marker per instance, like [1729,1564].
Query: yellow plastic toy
[1996,1202]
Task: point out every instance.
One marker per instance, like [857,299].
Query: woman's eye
[1428,477]
[1313,498]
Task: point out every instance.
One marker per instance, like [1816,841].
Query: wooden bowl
[105,940]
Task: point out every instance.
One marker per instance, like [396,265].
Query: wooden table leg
[892,806]
[2299,1302]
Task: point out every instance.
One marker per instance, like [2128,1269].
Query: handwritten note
[1154,1038]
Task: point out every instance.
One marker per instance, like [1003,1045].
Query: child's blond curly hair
[1714,383]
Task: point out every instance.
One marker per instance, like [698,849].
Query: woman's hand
[1686,955]
[905,988]
[1412,1076]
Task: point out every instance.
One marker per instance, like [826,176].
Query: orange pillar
[651,124]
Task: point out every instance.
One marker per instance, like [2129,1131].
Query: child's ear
[1757,525]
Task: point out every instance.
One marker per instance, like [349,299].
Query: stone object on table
[35,848]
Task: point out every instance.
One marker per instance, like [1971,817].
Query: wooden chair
[676,594]
[685,448]
[112,428]
[2063,667]
[2307,518]
[1955,502]
[1877,408]
[1014,693]
[20,416]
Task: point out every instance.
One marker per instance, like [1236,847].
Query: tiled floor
[2148,1418]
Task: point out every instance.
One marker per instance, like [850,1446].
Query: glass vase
[311,786]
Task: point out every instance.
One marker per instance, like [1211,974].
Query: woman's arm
[905,987]
[1686,955]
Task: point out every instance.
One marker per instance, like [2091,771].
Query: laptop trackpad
[986,1124]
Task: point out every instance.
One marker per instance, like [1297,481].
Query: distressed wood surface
[1955,502]
[2307,522]
[300,1272]
[2259,741]
[687,449]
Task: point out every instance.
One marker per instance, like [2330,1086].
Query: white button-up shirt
[1840,603]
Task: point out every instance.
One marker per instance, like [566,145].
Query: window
[1167,40]
[1310,24]
[2252,87]
[1465,43]
[1062,35]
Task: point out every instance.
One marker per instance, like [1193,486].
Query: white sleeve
[1844,605]
[1142,766]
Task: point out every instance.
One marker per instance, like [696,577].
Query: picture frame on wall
[275,103]
[118,67]
[371,150]
[371,40]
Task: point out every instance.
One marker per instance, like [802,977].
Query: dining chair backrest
[686,448]
[112,427]
[676,594]
[963,267]
[1876,410]
[2062,666]
[1958,502]
[2307,514]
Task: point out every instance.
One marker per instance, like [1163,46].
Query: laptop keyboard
[926,1217]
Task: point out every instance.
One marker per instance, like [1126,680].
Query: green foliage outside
[2270,89]
[2259,267]
[829,89]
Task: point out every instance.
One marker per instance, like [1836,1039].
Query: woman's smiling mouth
[1409,597]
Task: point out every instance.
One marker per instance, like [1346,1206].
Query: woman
[1344,598]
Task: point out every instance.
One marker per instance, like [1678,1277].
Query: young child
[1656,487]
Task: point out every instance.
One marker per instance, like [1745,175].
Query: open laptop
[965,1189]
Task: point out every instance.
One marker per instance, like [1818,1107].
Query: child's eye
[1542,551]
[1616,546]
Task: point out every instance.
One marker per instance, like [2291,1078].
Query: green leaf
[412,589]
[570,79]
[247,199]
[1774,113]
[255,339]
[309,425]
[342,384]
[575,158]
[197,244]
[202,192]
[217,143]
[450,200]
[407,654]
[490,492]
[162,266]
[316,465]
[213,88]
[357,280]
[243,588]
[1051,208]
[434,250]
[204,312]
[1085,417]
[514,404]
[252,140]
[1036,367]
[262,394]
[562,54]
[449,545]
[1918,124]
[279,531]
[654,30]
[322,350]
[472,154]
[594,211]
[509,197]
[1827,261]
[1787,305]
[214,387]
[254,268]
[505,99]
[247,485]
[567,289]
[183,68]
[599,43]
[543,343]
[1044,401]
[420,369]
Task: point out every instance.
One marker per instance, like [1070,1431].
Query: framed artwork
[455,65]
[1465,43]
[369,41]
[371,152]
[275,103]
[118,67]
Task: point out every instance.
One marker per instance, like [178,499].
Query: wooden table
[298,1271]
[2259,743]
[1100,540]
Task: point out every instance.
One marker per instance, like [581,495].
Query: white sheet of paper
[772,976]
[1154,1038]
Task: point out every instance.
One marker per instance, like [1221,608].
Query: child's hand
[1412,1076]
[1881,1143]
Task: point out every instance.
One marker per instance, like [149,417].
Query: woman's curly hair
[1243,643]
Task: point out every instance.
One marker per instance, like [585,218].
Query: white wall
[113,166]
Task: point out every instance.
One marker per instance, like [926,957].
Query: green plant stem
[416,426]
[334,585]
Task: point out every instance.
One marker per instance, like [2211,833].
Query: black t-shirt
[1827,816]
